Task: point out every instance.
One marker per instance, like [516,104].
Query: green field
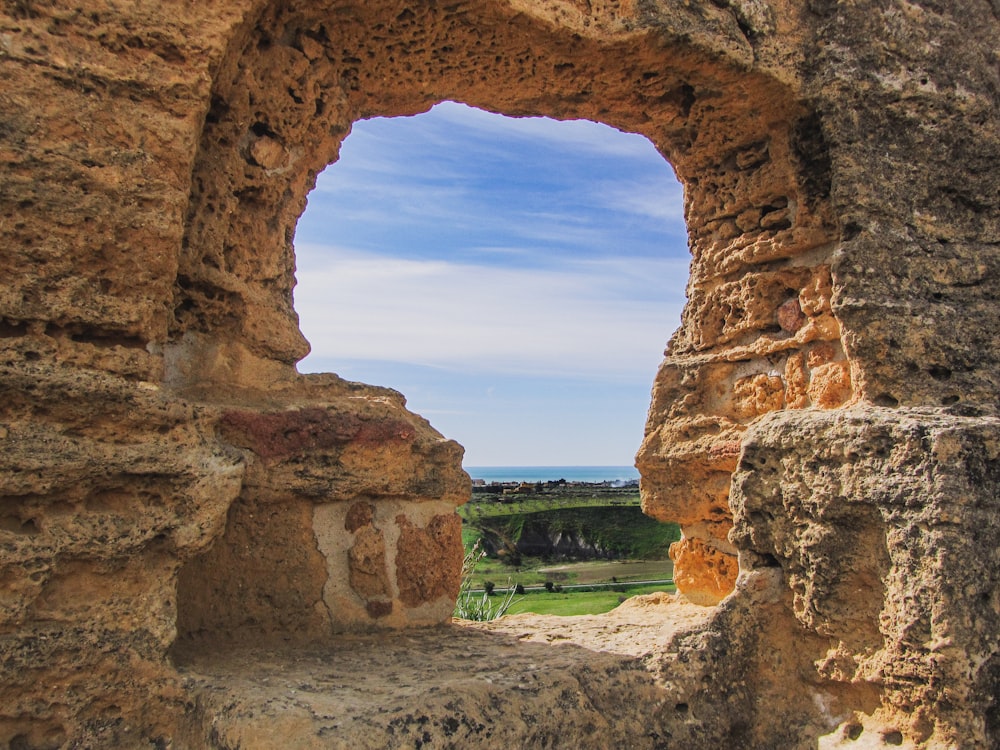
[577,602]
[607,517]
[615,532]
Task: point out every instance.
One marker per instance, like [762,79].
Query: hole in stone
[767,560]
[885,399]
[939,372]
[12,329]
[487,268]
[270,526]
[851,230]
[893,738]
[15,525]
[518,292]
[260,130]
[853,731]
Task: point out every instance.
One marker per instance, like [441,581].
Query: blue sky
[516,279]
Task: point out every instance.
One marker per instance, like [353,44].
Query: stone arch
[758,332]
[147,380]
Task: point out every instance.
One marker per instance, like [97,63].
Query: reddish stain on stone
[358,516]
[727,448]
[287,433]
[790,316]
[429,559]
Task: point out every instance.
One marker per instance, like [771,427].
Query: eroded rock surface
[169,483]
[527,681]
[884,526]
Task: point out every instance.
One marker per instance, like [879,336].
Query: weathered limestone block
[369,575]
[106,488]
[429,559]
[702,571]
[884,524]
[309,546]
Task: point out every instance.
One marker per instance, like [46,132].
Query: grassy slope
[625,531]
[615,520]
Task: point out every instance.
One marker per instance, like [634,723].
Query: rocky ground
[591,681]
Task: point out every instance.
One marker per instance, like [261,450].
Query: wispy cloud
[587,319]
[462,169]
[656,198]
[570,135]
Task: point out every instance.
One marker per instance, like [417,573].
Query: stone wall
[167,479]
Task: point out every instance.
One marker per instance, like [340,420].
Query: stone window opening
[386,553]
[560,193]
[757,334]
[333,553]
[371,578]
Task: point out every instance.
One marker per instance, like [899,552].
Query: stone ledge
[524,681]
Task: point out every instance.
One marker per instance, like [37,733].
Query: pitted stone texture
[884,522]
[703,572]
[429,559]
[155,157]
[500,684]
[329,488]
[106,488]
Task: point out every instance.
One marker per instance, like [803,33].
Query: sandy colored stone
[369,576]
[820,355]
[705,574]
[758,394]
[268,153]
[262,579]
[796,382]
[522,680]
[165,470]
[830,385]
[860,574]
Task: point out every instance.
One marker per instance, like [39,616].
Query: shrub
[473,606]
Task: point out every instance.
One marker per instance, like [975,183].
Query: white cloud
[657,199]
[570,135]
[586,319]
[378,143]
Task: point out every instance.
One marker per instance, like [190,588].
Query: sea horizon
[609,473]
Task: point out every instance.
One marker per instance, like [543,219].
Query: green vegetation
[521,532]
[491,505]
[619,532]
[473,605]
[578,602]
